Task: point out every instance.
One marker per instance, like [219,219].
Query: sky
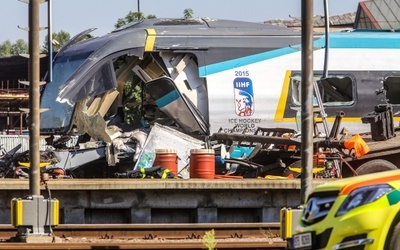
[75,16]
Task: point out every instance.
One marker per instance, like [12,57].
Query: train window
[391,85]
[334,90]
[59,117]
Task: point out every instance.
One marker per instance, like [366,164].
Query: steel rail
[151,231]
[153,236]
[152,245]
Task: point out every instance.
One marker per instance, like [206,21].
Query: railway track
[152,236]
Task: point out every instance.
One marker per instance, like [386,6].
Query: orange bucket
[202,163]
[168,159]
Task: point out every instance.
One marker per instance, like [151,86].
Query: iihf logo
[244,97]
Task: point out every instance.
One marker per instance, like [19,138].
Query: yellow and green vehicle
[357,213]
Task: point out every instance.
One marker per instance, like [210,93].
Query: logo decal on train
[244,97]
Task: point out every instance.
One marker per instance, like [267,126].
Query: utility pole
[34,216]
[307,75]
[50,39]
[138,5]
[34,97]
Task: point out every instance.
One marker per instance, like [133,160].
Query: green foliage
[59,39]
[188,13]
[132,17]
[20,47]
[209,240]
[13,49]
[132,112]
[5,48]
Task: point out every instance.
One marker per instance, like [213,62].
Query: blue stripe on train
[351,40]
[167,99]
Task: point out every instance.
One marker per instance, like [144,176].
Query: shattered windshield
[58,117]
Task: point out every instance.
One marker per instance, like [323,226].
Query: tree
[59,39]
[13,49]
[6,48]
[20,47]
[188,13]
[132,17]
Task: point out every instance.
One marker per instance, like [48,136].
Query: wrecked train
[205,78]
[173,62]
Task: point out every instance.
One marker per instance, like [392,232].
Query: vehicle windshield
[58,118]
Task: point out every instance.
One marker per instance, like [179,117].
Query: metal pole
[138,5]
[34,77]
[50,39]
[8,120]
[307,98]
[20,122]
[327,25]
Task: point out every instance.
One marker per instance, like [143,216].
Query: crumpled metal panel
[107,48]
[102,80]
